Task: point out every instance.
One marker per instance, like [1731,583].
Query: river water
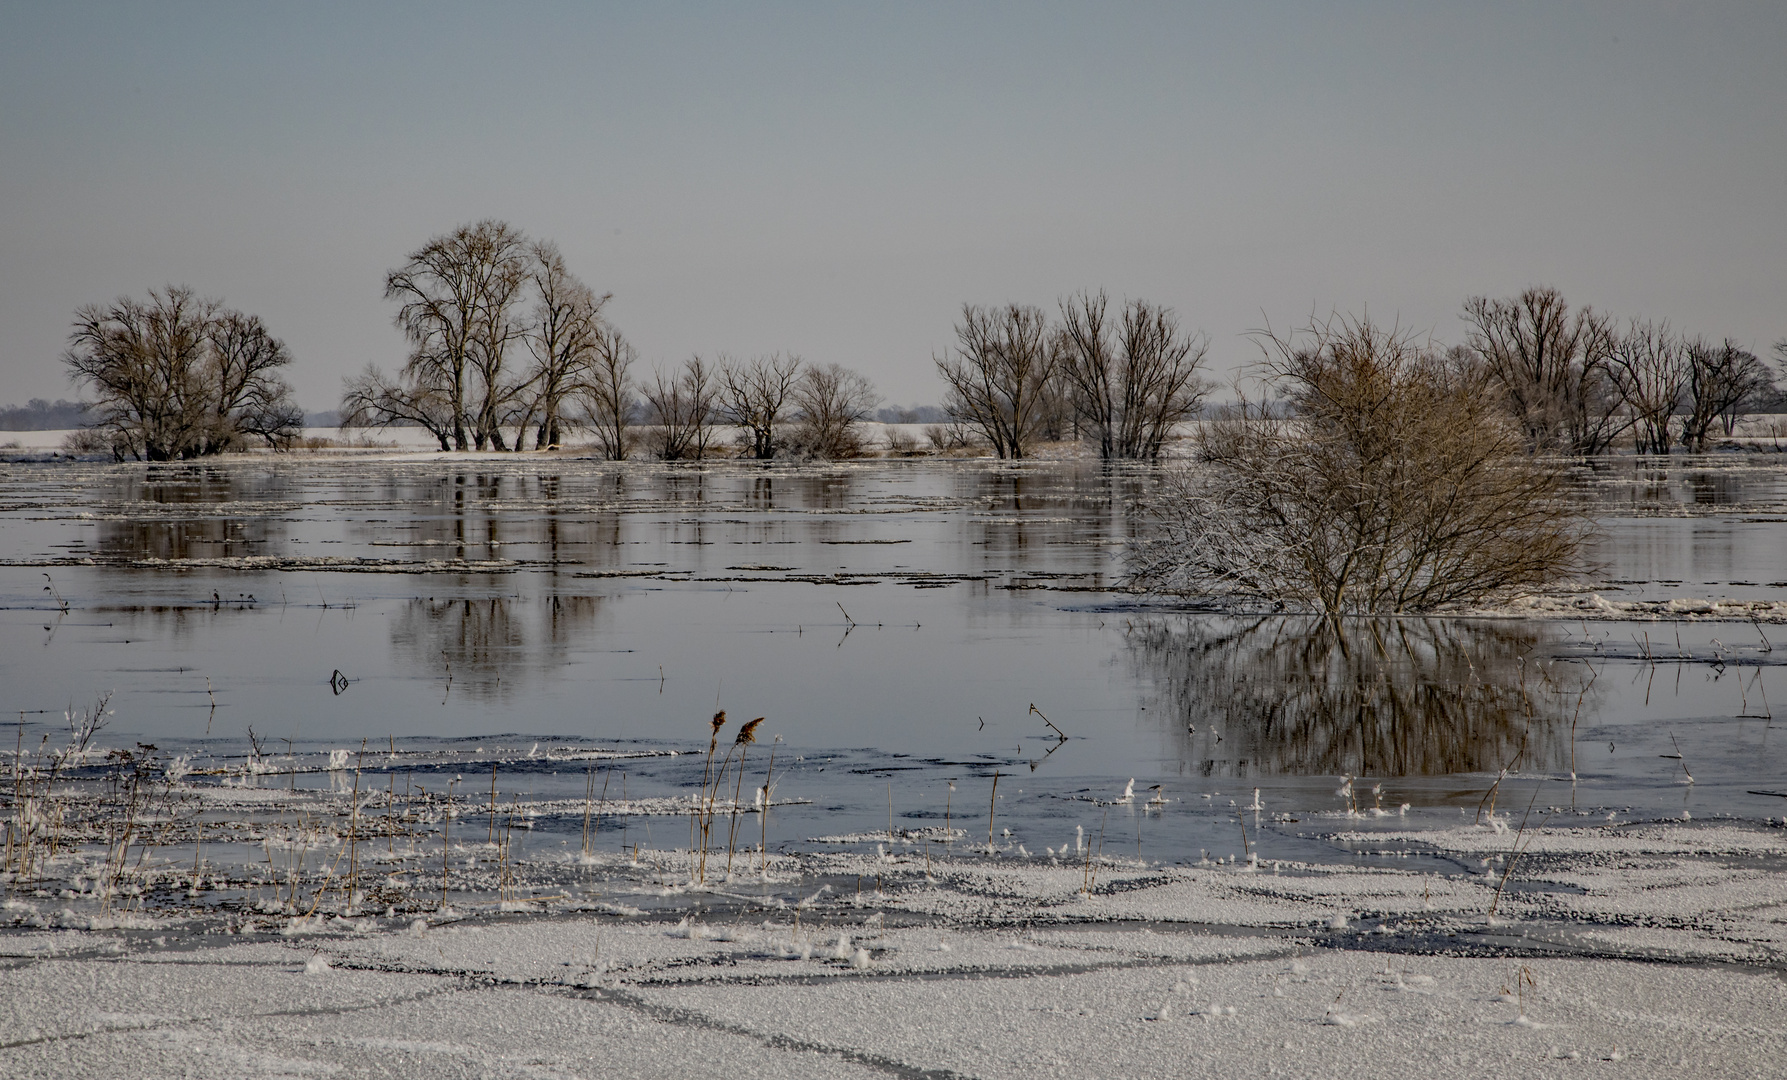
[902,626]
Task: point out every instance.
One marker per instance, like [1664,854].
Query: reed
[747,735]
[769,789]
[992,805]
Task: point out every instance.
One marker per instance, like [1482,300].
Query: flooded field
[413,757]
[903,626]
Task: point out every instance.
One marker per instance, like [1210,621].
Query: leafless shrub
[901,442]
[831,402]
[954,435]
[1395,484]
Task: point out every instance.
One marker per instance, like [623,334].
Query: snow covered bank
[1651,949]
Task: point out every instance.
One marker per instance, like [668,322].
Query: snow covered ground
[1629,949]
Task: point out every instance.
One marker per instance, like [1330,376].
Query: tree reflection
[191,512]
[492,645]
[1367,697]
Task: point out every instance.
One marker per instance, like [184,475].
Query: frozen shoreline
[1653,947]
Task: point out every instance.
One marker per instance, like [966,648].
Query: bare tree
[1722,378]
[756,396]
[564,338]
[369,399]
[1396,484]
[249,399]
[831,401]
[608,393]
[457,294]
[682,408]
[999,374]
[1650,366]
[179,376]
[1553,366]
[1131,391]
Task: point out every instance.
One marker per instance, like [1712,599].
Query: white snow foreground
[1641,951]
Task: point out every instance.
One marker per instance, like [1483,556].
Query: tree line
[508,346]
[1572,379]
[1120,380]
[1577,382]
[504,337]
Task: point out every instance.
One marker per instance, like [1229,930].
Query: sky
[837,180]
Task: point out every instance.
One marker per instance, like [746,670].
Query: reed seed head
[748,734]
[719,721]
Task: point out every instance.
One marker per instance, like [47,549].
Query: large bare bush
[830,402]
[1388,480]
[179,376]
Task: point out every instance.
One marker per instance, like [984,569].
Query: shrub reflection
[1361,697]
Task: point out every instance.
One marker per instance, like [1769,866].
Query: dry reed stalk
[697,822]
[763,814]
[992,803]
[747,735]
[353,835]
[491,836]
[1679,757]
[1517,851]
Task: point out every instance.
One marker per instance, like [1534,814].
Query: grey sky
[835,180]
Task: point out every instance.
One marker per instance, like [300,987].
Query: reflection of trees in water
[172,514]
[1373,698]
[495,644]
[1025,510]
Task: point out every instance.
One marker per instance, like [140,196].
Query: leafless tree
[756,397]
[457,293]
[1650,366]
[682,407]
[1396,484]
[564,339]
[608,393]
[830,402]
[1129,391]
[999,373]
[1552,364]
[180,376]
[248,399]
[1722,378]
[369,399]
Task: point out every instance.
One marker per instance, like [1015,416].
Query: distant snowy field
[1641,949]
[410,439]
